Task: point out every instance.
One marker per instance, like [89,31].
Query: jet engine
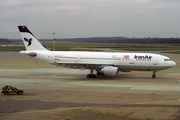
[110,71]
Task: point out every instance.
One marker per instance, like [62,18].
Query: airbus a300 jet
[104,63]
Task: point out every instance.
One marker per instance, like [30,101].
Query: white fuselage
[124,61]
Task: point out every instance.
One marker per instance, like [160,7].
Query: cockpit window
[167,59]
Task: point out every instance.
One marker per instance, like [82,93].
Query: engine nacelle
[110,71]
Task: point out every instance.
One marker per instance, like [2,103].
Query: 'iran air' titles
[143,58]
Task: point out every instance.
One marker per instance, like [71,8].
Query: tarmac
[58,93]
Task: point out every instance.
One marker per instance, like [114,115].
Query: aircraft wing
[83,65]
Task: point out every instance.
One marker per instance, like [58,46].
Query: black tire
[6,93]
[89,76]
[102,74]
[19,92]
[153,76]
[93,76]
[98,73]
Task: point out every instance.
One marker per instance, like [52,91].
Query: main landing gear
[154,74]
[91,75]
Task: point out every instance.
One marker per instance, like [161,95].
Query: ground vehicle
[7,89]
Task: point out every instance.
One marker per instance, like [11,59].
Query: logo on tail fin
[29,41]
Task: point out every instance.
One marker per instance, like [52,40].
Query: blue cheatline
[40,75]
[70,76]
[53,75]
[83,77]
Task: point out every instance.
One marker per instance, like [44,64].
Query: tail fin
[30,41]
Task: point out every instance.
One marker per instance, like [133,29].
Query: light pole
[53,41]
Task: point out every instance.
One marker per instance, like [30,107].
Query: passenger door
[78,58]
[155,60]
[131,60]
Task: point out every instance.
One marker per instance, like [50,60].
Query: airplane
[105,63]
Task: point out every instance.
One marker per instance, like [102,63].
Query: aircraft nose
[173,63]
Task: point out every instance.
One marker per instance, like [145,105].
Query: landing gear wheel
[89,76]
[98,73]
[93,76]
[153,76]
[102,74]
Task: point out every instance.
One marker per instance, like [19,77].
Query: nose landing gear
[154,74]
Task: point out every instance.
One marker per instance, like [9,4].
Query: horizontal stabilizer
[32,54]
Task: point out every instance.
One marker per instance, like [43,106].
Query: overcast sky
[91,18]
